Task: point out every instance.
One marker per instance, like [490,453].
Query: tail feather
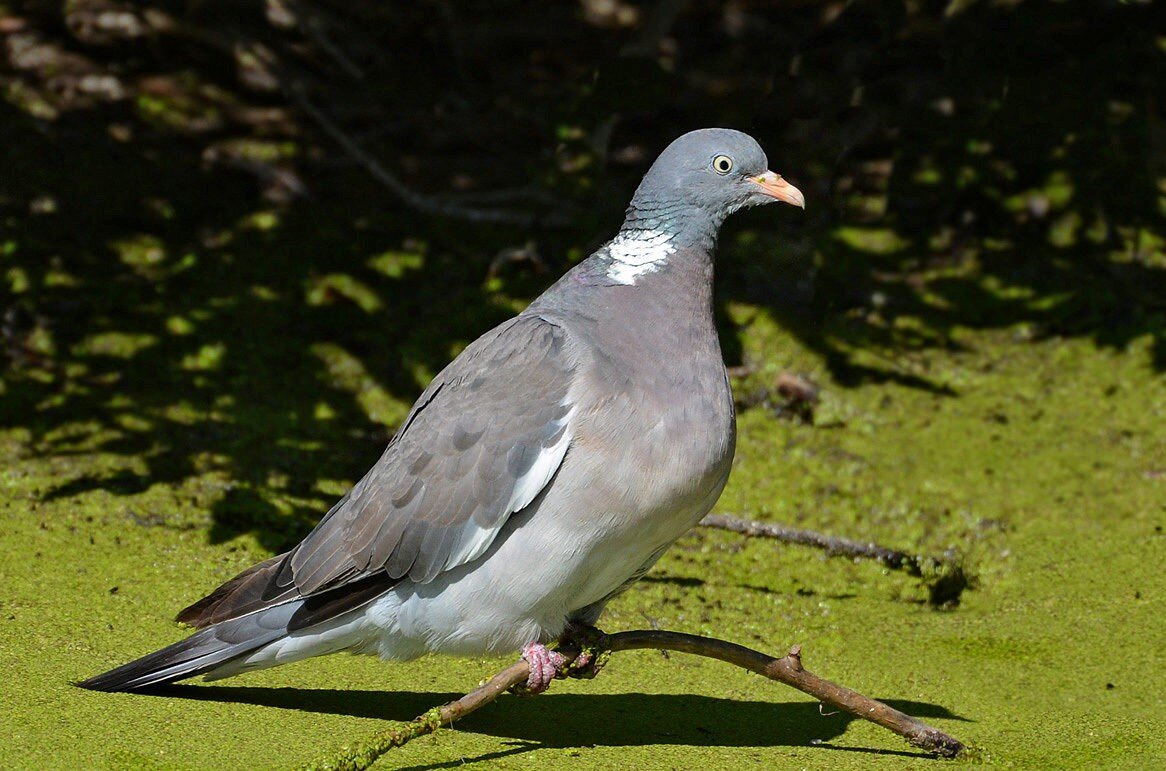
[201,653]
[259,586]
[239,622]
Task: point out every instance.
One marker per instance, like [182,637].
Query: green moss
[1049,488]
[220,381]
[396,264]
[872,240]
[178,325]
[350,375]
[262,220]
[207,357]
[117,344]
[323,290]
[17,279]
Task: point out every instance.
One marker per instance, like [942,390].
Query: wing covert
[480,444]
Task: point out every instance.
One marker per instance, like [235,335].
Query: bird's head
[703,177]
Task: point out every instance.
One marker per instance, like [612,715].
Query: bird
[543,471]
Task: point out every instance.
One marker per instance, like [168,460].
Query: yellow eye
[722,164]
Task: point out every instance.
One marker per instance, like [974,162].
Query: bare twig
[422,203]
[945,579]
[788,670]
[264,66]
[833,545]
[314,23]
[657,26]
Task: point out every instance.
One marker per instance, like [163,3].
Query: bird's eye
[722,164]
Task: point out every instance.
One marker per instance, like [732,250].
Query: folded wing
[481,443]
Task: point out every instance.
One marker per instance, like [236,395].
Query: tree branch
[266,72]
[833,545]
[788,670]
[422,203]
[945,579]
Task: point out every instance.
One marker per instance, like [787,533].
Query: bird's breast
[653,433]
[660,447]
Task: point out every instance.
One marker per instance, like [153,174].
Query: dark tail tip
[143,674]
[198,654]
[103,682]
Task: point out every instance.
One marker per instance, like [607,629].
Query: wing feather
[481,443]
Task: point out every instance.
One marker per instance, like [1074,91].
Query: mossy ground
[1042,464]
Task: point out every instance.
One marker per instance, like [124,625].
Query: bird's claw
[592,645]
[545,666]
[586,665]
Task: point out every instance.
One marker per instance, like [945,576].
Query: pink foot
[545,666]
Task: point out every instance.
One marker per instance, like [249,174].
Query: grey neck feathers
[651,239]
[688,227]
[654,235]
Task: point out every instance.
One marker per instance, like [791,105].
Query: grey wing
[479,445]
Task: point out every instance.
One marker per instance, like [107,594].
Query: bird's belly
[526,590]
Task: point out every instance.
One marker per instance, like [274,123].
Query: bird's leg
[545,666]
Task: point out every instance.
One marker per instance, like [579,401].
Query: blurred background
[224,222]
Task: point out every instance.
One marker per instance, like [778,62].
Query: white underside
[522,590]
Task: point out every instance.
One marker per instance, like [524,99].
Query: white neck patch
[638,253]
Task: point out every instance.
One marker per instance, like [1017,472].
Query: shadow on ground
[586,720]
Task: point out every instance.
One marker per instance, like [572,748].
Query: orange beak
[776,187]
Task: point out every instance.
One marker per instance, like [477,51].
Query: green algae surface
[1041,465]
[190,377]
